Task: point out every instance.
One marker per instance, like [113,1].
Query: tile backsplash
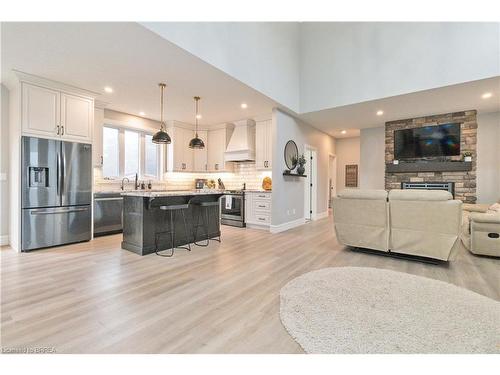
[244,172]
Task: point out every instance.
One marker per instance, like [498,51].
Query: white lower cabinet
[258,209]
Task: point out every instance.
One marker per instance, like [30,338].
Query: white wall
[344,63]
[488,157]
[372,158]
[347,151]
[263,55]
[288,192]
[4,167]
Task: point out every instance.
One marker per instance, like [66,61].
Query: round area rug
[370,310]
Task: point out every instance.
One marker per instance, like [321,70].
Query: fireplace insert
[448,186]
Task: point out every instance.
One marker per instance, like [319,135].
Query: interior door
[77,173]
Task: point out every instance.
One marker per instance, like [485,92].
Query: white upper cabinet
[56,114]
[180,158]
[40,110]
[77,117]
[263,145]
[201,155]
[217,141]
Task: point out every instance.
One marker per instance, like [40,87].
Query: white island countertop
[171,193]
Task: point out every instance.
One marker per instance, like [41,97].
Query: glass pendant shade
[196,142]
[161,137]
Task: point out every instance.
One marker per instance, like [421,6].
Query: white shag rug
[370,310]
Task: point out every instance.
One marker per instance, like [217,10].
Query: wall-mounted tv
[427,141]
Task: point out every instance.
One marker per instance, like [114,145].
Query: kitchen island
[143,218]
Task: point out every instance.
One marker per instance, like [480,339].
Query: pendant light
[161,137]
[196,142]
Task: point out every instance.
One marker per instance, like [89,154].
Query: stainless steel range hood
[241,146]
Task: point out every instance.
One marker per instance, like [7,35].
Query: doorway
[332,180]
[310,188]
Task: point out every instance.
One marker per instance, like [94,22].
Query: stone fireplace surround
[465,180]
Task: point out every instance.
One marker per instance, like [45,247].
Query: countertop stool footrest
[173,209]
[204,209]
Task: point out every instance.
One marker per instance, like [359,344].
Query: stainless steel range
[232,206]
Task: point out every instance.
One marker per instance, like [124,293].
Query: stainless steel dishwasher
[108,211]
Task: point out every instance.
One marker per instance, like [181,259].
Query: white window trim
[142,152]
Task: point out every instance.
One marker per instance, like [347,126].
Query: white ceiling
[132,60]
[447,99]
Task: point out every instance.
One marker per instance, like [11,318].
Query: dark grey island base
[142,219]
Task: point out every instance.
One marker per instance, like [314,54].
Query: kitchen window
[127,152]
[110,152]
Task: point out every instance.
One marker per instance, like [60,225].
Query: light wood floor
[96,298]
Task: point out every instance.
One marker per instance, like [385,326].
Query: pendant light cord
[196,98]
[162,87]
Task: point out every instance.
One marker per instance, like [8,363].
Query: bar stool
[173,209]
[204,208]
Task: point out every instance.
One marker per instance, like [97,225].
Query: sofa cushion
[363,194]
[419,195]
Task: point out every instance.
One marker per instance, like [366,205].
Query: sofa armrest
[483,208]
[485,218]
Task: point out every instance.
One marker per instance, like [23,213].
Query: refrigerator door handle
[63,166]
[53,212]
[58,183]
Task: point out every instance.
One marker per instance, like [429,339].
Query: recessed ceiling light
[142,114]
[343,132]
[380,113]
[108,89]
[487,95]
[244,105]
[198,116]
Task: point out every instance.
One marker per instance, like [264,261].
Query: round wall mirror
[291,155]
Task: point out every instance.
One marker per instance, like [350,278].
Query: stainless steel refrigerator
[56,192]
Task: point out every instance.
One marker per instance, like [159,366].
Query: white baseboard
[257,226]
[321,215]
[4,240]
[286,226]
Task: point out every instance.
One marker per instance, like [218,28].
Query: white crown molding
[37,80]
[100,104]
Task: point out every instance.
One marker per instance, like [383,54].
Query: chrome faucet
[136,182]
[123,182]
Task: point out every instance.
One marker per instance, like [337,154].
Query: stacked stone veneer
[465,182]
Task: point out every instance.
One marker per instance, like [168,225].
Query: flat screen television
[427,141]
